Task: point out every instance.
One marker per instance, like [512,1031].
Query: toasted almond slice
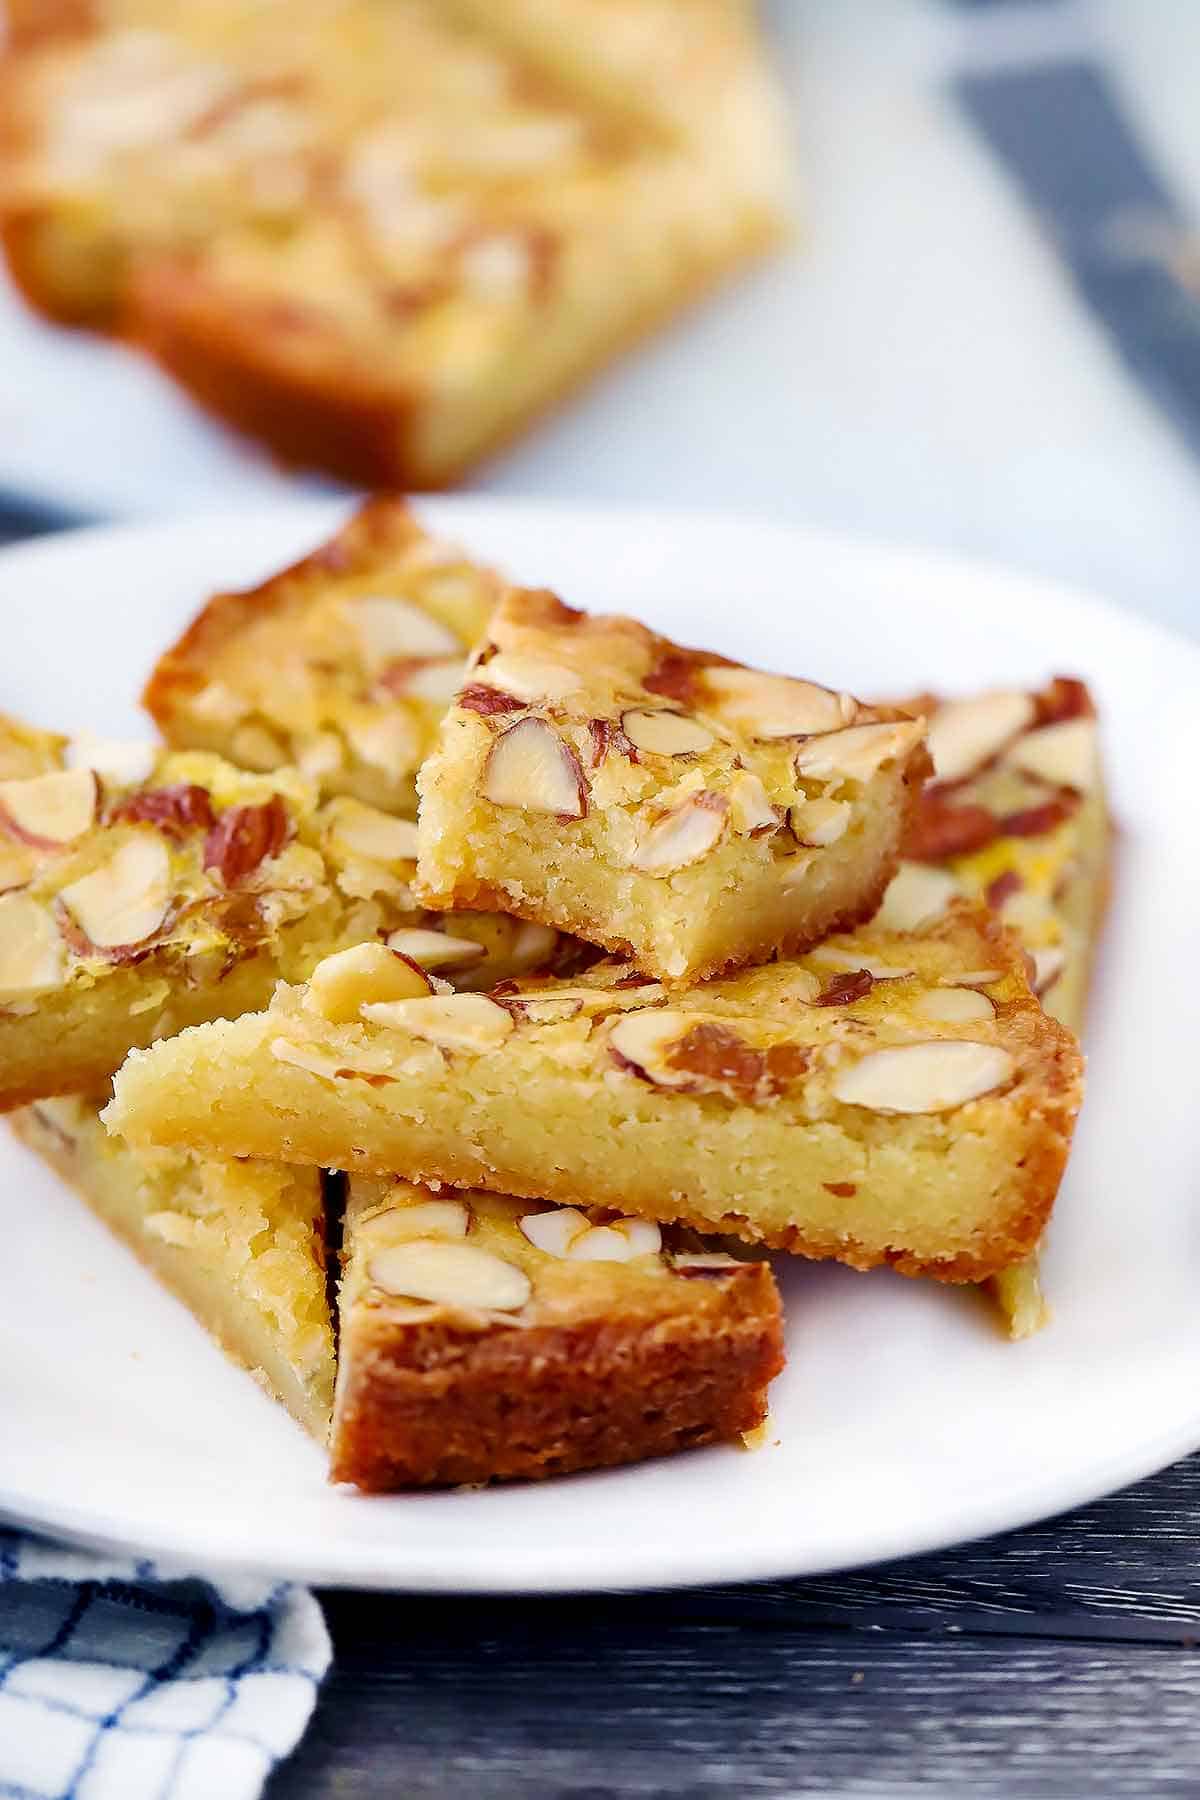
[390,628]
[435,681]
[528,678]
[300,1056]
[683,835]
[817,823]
[450,1275]
[545,1009]
[531,767]
[358,830]
[49,810]
[218,704]
[1065,755]
[124,763]
[859,751]
[125,899]
[639,1041]
[923,1078]
[532,946]
[428,1219]
[971,978]
[829,956]
[17,865]
[348,979]
[32,955]
[917,895]
[436,949]
[385,737]
[451,1021]
[664,732]
[644,1235]
[954,1005]
[603,1243]
[710,1262]
[1048,965]
[750,808]
[320,755]
[554,1232]
[254,747]
[966,734]
[775,706]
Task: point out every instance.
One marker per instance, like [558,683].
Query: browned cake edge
[422,1406]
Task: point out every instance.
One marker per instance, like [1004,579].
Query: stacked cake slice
[572,1126]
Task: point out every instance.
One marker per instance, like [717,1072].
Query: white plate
[903,1420]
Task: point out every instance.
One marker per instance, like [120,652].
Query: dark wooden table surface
[1048,1664]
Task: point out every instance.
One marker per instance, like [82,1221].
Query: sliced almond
[923,1078]
[120,763]
[640,1041]
[301,1056]
[385,737]
[344,982]
[1065,755]
[451,1021]
[554,1232]
[123,901]
[917,895]
[450,1275]
[428,1219]
[684,835]
[358,830]
[531,767]
[545,1009]
[954,1005]
[750,808]
[436,949]
[775,706]
[1048,965]
[966,734]
[528,678]
[858,752]
[17,865]
[390,628]
[252,746]
[828,956]
[435,681]
[818,823]
[971,978]
[643,1235]
[663,732]
[49,810]
[218,704]
[620,1242]
[32,954]
[321,755]
[532,946]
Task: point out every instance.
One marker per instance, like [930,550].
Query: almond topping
[32,958]
[916,896]
[776,706]
[532,946]
[1064,755]
[621,1241]
[966,734]
[436,949]
[344,982]
[859,751]
[124,901]
[389,628]
[244,837]
[954,1005]
[750,809]
[665,733]
[428,1218]
[385,738]
[923,1078]
[172,810]
[639,1041]
[554,1232]
[684,1050]
[17,866]
[683,835]
[123,764]
[712,1263]
[359,830]
[478,698]
[528,678]
[817,823]
[1048,965]
[450,1275]
[529,766]
[944,829]
[844,989]
[436,680]
[828,956]
[49,810]
[971,978]
[545,1009]
[452,1021]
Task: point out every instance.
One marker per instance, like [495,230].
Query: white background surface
[903,1420]
[918,367]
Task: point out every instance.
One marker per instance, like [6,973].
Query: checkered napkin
[119,1681]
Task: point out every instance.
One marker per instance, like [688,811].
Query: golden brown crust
[31,22]
[436,1408]
[382,526]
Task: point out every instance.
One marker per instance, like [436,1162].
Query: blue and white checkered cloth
[119,1681]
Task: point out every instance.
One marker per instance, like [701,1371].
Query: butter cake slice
[665,803]
[888,1098]
[486,1338]
[240,1243]
[378,237]
[144,890]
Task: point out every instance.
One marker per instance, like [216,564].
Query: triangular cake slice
[888,1098]
[487,1338]
[661,802]
[341,665]
[242,1244]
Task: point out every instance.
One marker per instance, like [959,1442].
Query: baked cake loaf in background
[380,235]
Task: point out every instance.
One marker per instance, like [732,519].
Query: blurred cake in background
[380,235]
